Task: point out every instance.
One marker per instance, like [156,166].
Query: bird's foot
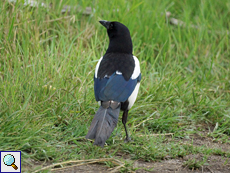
[127,139]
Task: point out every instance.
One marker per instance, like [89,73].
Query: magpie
[116,83]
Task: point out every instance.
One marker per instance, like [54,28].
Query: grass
[46,78]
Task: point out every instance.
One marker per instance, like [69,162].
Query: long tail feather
[103,124]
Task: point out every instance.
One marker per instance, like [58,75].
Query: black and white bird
[116,83]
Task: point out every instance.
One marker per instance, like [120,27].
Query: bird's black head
[119,37]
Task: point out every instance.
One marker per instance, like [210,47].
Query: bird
[116,83]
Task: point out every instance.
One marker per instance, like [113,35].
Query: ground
[189,163]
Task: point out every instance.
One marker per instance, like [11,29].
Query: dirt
[84,168]
[191,163]
[208,142]
[214,164]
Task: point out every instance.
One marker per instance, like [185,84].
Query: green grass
[185,83]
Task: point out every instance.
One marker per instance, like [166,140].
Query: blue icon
[9,160]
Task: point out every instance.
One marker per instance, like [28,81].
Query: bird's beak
[105,23]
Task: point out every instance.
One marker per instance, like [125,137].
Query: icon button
[10,161]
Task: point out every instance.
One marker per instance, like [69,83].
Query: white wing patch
[118,72]
[97,66]
[136,71]
[133,96]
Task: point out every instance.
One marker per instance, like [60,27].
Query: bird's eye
[111,26]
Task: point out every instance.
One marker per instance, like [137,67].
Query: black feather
[103,124]
[113,62]
[119,38]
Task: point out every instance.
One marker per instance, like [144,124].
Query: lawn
[47,62]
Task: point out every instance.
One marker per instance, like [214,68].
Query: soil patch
[196,163]
[214,164]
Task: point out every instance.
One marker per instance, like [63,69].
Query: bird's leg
[124,120]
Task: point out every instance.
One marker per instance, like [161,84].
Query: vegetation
[47,62]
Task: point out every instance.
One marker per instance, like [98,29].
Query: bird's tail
[103,124]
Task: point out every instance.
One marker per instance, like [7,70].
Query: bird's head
[119,37]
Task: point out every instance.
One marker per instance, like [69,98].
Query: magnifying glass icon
[9,160]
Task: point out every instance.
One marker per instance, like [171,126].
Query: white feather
[97,67]
[118,72]
[136,71]
[133,96]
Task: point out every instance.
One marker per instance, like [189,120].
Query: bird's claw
[127,139]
